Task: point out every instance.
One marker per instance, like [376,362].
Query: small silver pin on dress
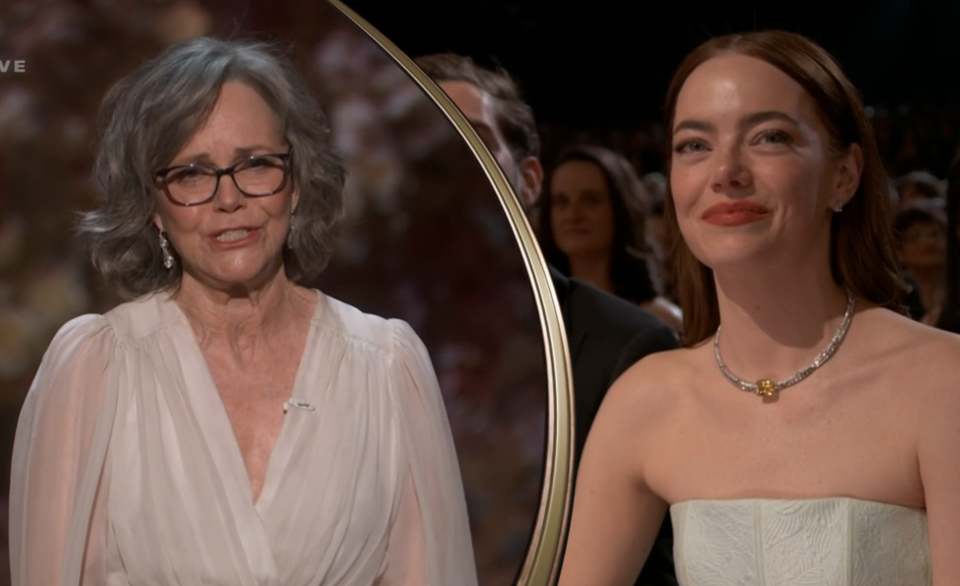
[298,404]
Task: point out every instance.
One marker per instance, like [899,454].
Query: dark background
[609,61]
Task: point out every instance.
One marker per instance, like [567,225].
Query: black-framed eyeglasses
[197,184]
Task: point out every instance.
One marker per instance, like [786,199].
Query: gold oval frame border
[541,562]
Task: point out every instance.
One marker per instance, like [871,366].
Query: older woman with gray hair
[226,425]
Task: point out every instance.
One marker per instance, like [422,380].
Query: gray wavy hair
[148,116]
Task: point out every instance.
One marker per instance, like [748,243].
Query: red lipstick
[735,213]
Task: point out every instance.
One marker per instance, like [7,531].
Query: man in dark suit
[606,334]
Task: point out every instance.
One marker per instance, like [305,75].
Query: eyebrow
[751,120]
[239,152]
[254,149]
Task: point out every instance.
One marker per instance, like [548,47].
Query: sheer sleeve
[58,459]
[430,542]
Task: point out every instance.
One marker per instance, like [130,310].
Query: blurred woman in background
[594,228]
[920,229]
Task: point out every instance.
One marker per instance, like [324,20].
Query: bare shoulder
[903,341]
[657,371]
[923,360]
[642,400]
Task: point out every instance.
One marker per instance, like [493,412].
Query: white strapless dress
[821,542]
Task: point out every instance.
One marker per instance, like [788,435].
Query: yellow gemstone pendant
[766,387]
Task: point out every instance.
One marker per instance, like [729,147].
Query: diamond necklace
[766,387]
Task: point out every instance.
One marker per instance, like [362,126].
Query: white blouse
[126,471]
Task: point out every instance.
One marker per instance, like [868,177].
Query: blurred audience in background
[949,312]
[918,186]
[920,228]
[594,228]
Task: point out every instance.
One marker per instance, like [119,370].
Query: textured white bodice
[822,542]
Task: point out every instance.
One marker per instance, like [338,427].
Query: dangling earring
[165,248]
[838,207]
[293,227]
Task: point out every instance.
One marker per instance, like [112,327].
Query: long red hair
[862,253]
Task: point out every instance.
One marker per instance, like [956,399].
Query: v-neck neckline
[233,468]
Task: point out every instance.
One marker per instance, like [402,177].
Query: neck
[238,316]
[593,269]
[774,325]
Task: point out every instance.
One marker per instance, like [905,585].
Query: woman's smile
[735,213]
